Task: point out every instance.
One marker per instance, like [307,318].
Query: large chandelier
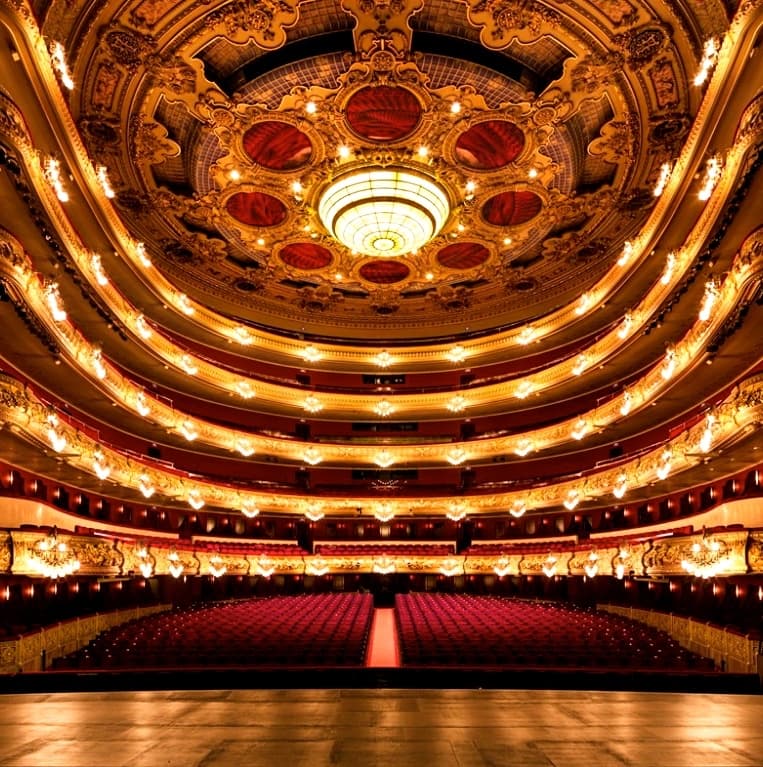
[384,212]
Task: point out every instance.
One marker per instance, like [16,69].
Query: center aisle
[383,647]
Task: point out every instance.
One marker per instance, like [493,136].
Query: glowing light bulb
[97,266]
[713,171]
[384,459]
[58,61]
[662,180]
[518,509]
[140,252]
[195,500]
[244,446]
[572,500]
[55,305]
[312,404]
[244,389]
[103,177]
[145,486]
[312,456]
[249,509]
[188,429]
[456,404]
[141,403]
[143,328]
[96,360]
[456,456]
[627,253]
[184,304]
[523,447]
[384,408]
[621,485]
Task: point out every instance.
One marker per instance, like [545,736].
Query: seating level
[384,549]
[315,630]
[463,630]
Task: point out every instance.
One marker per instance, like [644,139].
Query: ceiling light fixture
[384,212]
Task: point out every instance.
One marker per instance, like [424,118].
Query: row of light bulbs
[147,406]
[698,440]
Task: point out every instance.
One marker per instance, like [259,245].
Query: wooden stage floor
[400,728]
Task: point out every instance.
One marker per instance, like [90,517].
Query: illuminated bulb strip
[621,486]
[384,459]
[100,467]
[384,408]
[96,360]
[669,364]
[549,566]
[384,511]
[175,566]
[141,404]
[383,359]
[591,568]
[314,511]
[143,328]
[195,501]
[713,171]
[456,456]
[188,430]
[518,509]
[57,440]
[456,512]
[312,456]
[526,335]
[456,404]
[579,429]
[312,404]
[97,266]
[456,354]
[187,363]
[670,265]
[706,440]
[53,175]
[58,61]
[584,304]
[663,470]
[708,300]
[244,446]
[103,178]
[140,252]
[145,486]
[384,565]
[311,354]
[524,390]
[249,509]
[581,363]
[572,500]
[662,180]
[523,447]
[53,299]
[709,58]
[244,389]
[184,304]
[625,326]
[242,335]
[627,253]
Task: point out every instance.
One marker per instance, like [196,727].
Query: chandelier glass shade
[384,212]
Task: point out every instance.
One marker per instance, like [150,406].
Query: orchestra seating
[314,630]
[463,630]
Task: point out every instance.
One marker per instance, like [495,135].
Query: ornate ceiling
[599,246]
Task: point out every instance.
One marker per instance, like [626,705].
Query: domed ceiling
[545,127]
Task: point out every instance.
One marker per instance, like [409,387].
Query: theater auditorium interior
[381,380]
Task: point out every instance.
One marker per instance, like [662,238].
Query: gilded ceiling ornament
[128,48]
[452,298]
[150,141]
[502,21]
[318,299]
[596,71]
[382,26]
[643,44]
[264,22]
[663,78]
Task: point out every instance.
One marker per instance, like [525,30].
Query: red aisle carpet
[383,649]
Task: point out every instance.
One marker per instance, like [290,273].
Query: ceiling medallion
[384,212]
